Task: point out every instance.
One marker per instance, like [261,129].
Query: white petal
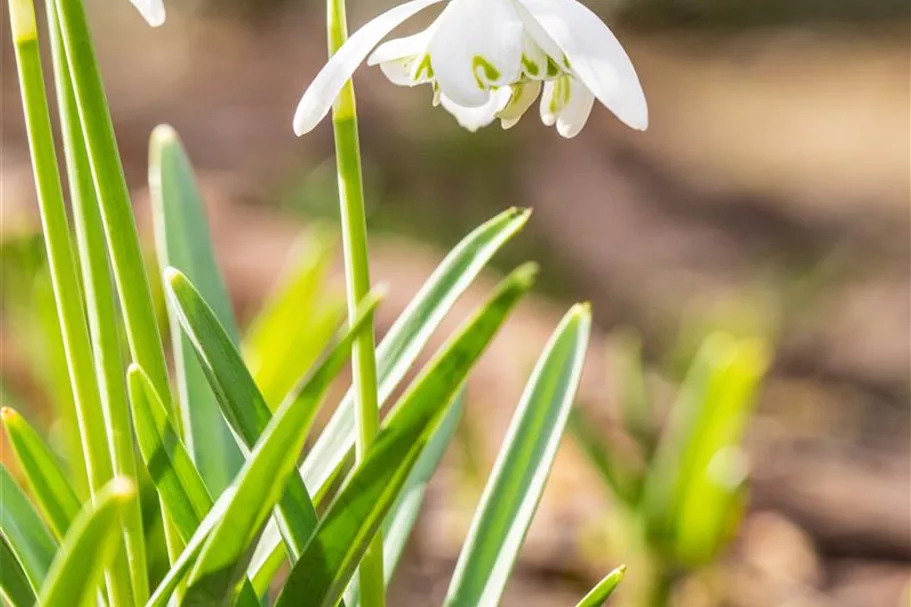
[474,118]
[577,110]
[398,71]
[522,98]
[595,56]
[554,99]
[477,47]
[401,48]
[151,10]
[321,94]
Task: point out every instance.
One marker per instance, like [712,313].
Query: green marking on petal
[484,71]
[531,68]
[553,70]
[424,69]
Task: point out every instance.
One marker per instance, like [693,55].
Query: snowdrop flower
[151,10]
[492,59]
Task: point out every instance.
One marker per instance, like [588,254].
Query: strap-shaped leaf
[215,557]
[24,531]
[14,585]
[320,576]
[50,488]
[396,354]
[522,467]
[241,402]
[598,595]
[89,547]
[183,242]
[404,512]
[409,334]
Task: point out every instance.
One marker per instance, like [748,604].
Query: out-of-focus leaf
[296,322]
[598,595]
[24,531]
[14,585]
[404,512]
[241,402]
[320,576]
[49,485]
[183,242]
[599,454]
[259,485]
[706,422]
[89,547]
[517,481]
[714,465]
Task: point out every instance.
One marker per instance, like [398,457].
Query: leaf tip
[8,414]
[123,488]
[173,276]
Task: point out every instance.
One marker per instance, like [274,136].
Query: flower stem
[100,304]
[64,277]
[357,275]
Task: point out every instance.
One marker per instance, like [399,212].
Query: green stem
[357,278]
[100,302]
[64,278]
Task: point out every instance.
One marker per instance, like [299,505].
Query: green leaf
[404,512]
[618,479]
[261,482]
[47,481]
[180,486]
[324,569]
[296,322]
[24,531]
[699,449]
[14,585]
[517,481]
[241,402]
[256,489]
[183,242]
[89,547]
[598,595]
[395,355]
[410,333]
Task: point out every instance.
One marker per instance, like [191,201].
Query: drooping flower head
[151,10]
[492,59]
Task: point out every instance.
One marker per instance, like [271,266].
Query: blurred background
[769,199]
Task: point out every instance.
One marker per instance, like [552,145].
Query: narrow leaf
[183,242]
[403,515]
[47,481]
[598,595]
[89,547]
[24,532]
[399,350]
[261,481]
[517,481]
[14,585]
[241,402]
[320,576]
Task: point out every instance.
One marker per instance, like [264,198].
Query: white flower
[490,59]
[151,10]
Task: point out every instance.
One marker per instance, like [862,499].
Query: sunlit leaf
[598,595]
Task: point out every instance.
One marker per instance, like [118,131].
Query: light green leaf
[183,242]
[410,333]
[180,486]
[598,595]
[404,512]
[296,322]
[49,485]
[395,355]
[241,402]
[517,481]
[24,531]
[14,585]
[89,547]
[320,576]
[261,481]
